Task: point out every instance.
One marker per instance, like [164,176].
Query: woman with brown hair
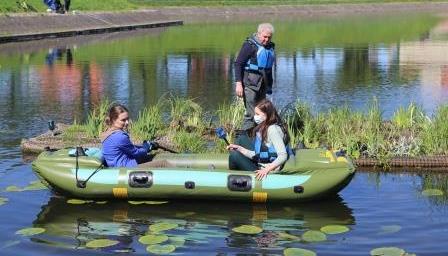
[270,150]
[118,150]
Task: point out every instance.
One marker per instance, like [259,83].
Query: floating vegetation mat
[412,162]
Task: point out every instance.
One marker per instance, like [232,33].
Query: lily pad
[3,200]
[334,229]
[155,202]
[100,243]
[13,189]
[76,201]
[30,231]
[158,227]
[161,249]
[153,239]
[387,251]
[35,185]
[432,192]
[135,202]
[284,235]
[298,252]
[314,236]
[248,229]
[390,229]
[147,202]
[100,202]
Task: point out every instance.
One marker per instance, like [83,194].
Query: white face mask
[259,119]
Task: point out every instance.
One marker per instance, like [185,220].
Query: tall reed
[410,132]
[95,123]
[435,134]
[185,114]
[189,142]
[230,115]
[149,123]
[295,117]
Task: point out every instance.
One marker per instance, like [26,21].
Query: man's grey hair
[266,27]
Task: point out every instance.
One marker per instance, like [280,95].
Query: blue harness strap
[265,57]
[263,156]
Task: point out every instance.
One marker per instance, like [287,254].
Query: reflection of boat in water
[73,225]
[310,174]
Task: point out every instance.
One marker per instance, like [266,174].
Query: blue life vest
[265,154]
[265,56]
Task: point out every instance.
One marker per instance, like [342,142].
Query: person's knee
[234,158]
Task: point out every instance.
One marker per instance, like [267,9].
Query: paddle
[221,133]
[156,146]
[152,145]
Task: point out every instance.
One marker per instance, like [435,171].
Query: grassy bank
[18,6]
[186,127]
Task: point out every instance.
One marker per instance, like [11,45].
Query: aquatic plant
[408,118]
[95,123]
[185,114]
[296,116]
[148,124]
[342,128]
[410,132]
[74,135]
[435,132]
[189,142]
[230,115]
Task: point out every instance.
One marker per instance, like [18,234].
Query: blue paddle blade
[221,133]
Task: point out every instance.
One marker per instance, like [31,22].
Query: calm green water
[325,62]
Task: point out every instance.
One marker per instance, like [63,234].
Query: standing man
[253,70]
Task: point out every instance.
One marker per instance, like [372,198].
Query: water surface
[325,62]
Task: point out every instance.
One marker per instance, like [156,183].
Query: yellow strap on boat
[330,155]
[120,192]
[342,159]
[259,197]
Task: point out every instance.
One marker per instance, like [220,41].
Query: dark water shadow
[71,226]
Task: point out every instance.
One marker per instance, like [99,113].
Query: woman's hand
[263,172]
[234,147]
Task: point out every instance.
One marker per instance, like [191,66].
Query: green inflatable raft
[310,174]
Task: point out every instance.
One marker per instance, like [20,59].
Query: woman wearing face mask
[270,149]
[118,150]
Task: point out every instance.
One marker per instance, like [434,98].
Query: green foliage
[148,124]
[95,123]
[409,133]
[189,142]
[409,118]
[295,118]
[20,6]
[435,133]
[74,134]
[341,126]
[230,115]
[185,114]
